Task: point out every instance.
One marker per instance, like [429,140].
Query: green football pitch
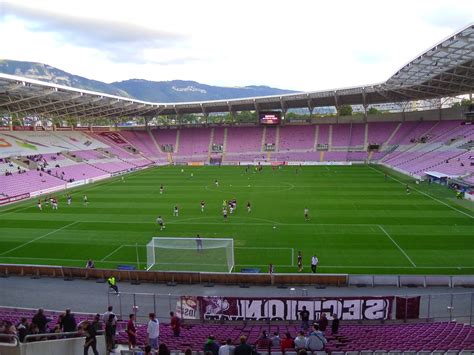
[360,222]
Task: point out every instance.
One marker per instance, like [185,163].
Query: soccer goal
[190,254]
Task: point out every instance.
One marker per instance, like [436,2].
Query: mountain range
[146,90]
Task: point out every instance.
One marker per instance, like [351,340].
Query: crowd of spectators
[40,327]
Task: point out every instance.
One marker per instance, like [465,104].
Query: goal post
[190,254]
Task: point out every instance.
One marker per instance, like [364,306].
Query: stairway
[330,138]
[316,136]
[391,136]
[277,139]
[155,143]
[211,141]
[176,146]
[224,145]
[264,136]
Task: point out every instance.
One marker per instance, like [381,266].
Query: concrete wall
[74,346]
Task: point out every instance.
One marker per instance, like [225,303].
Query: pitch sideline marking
[396,244]
[428,195]
[113,252]
[38,238]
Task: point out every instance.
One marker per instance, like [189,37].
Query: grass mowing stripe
[396,244]
[428,195]
[38,238]
[113,252]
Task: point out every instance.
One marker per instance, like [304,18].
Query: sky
[301,45]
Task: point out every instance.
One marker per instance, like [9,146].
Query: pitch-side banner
[237,308]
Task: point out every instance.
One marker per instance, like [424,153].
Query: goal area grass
[360,221]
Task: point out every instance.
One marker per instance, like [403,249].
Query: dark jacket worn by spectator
[323,322]
[68,322]
[243,348]
[40,320]
[211,345]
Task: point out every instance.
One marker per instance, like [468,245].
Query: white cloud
[298,44]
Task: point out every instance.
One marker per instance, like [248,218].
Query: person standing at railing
[91,340]
[68,322]
[110,330]
[131,332]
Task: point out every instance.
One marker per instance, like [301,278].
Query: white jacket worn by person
[153,329]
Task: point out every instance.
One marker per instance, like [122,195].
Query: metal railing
[9,337]
[457,307]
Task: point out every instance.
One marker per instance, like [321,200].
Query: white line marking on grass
[38,238]
[113,252]
[427,195]
[396,244]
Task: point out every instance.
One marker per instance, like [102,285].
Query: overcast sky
[292,44]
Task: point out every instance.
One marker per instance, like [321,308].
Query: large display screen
[270,118]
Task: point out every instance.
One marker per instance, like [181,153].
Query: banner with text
[237,308]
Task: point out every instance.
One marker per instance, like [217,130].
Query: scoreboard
[270,118]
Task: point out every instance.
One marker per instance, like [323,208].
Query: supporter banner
[4,201]
[319,163]
[276,163]
[345,308]
[63,128]
[23,128]
[101,129]
[408,307]
[82,128]
[47,191]
[4,128]
[75,183]
[196,163]
[114,137]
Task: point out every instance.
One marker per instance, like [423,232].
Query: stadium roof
[447,69]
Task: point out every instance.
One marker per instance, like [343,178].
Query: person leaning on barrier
[91,340]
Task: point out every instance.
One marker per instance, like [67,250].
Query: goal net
[190,254]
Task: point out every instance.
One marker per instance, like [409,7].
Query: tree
[345,110]
[373,111]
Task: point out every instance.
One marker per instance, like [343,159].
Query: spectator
[40,320]
[175,324]
[188,351]
[96,323]
[335,324]
[153,331]
[227,348]
[22,329]
[276,340]
[131,332]
[316,340]
[110,330]
[243,348]
[211,345]
[287,343]
[33,331]
[302,352]
[147,350]
[91,340]
[263,342]
[323,322]
[304,315]
[68,322]
[105,316]
[300,341]
[163,349]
